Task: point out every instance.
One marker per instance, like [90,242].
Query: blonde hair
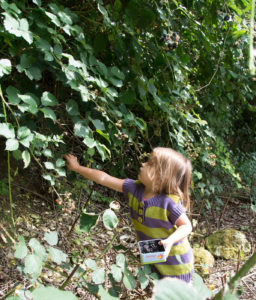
[170,172]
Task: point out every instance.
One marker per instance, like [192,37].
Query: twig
[249,275]
[222,213]
[65,283]
[32,192]
[249,288]
[7,233]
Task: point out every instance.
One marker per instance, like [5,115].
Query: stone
[227,242]
[203,260]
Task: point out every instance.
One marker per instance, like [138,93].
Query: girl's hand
[71,162]
[167,243]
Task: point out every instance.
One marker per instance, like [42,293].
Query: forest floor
[36,213]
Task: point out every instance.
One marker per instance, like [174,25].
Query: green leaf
[51,238]
[21,249]
[116,82]
[81,130]
[24,32]
[5,67]
[46,293]
[87,221]
[89,142]
[12,95]
[175,289]
[98,124]
[200,287]
[57,255]
[110,219]
[72,108]
[98,276]
[39,250]
[37,2]
[47,153]
[116,72]
[49,165]
[34,73]
[143,280]
[23,132]
[26,158]
[29,99]
[7,130]
[60,163]
[48,99]
[91,264]
[116,272]
[12,145]
[103,134]
[129,280]
[61,171]
[53,18]
[49,113]
[120,261]
[33,264]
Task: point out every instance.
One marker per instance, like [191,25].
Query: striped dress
[155,218]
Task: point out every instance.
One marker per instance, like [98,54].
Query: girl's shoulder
[175,199]
[131,185]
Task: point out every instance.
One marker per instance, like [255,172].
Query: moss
[203,261]
[227,242]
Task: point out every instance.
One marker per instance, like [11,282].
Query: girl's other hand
[71,162]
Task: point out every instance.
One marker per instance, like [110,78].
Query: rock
[203,261]
[227,242]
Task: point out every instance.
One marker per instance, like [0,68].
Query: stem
[8,163]
[251,31]
[65,283]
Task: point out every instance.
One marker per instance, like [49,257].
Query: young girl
[157,204]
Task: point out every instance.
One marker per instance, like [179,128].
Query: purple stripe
[172,260]
[151,222]
[185,277]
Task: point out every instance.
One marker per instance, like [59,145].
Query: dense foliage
[110,80]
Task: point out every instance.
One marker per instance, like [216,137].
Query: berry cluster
[151,246]
[120,135]
[171,40]
[68,205]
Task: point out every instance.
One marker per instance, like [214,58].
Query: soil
[36,212]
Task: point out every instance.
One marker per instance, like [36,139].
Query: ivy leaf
[87,221]
[33,264]
[49,165]
[50,292]
[5,67]
[49,113]
[116,72]
[7,130]
[12,145]
[91,264]
[51,238]
[60,171]
[60,163]
[81,130]
[110,219]
[49,99]
[21,249]
[116,272]
[26,158]
[39,250]
[129,280]
[98,276]
[89,142]
[12,95]
[57,255]
[72,108]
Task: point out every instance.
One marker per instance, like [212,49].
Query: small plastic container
[151,252]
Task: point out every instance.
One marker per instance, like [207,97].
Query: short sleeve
[175,210]
[128,186]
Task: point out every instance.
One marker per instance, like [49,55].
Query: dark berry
[254,39]
[226,18]
[162,39]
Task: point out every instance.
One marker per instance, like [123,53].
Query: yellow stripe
[174,269]
[175,198]
[180,249]
[157,213]
[133,202]
[153,233]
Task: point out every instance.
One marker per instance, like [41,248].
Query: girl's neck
[148,193]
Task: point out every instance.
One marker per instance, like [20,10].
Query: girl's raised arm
[93,174]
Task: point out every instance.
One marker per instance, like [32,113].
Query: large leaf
[57,255]
[49,113]
[105,295]
[12,95]
[47,293]
[87,221]
[72,108]
[21,249]
[51,238]
[175,289]
[110,219]
[26,158]
[49,99]
[129,281]
[116,272]
[91,264]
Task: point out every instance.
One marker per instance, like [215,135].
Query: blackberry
[226,18]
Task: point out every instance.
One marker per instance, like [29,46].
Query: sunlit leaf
[110,219]
[51,238]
